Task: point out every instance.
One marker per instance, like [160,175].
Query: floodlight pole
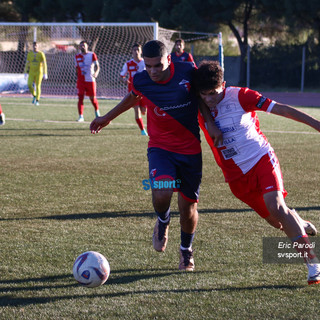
[221,58]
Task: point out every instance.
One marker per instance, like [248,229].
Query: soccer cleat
[160,236]
[81,119]
[2,119]
[34,100]
[310,229]
[144,132]
[314,273]
[186,260]
[37,103]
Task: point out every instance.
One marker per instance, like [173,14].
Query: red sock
[140,123]
[80,105]
[95,103]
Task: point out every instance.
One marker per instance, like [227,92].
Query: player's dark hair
[136,45]
[84,41]
[154,48]
[208,76]
[179,40]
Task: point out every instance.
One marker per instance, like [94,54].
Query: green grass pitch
[65,191]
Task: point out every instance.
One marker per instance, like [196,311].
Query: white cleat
[2,119]
[314,273]
[81,119]
[310,229]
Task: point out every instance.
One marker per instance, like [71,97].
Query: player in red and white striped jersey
[245,156]
[88,68]
[130,68]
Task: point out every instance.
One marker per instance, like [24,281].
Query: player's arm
[96,68]
[123,74]
[27,66]
[125,104]
[212,129]
[295,114]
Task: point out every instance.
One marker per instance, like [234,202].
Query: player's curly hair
[208,76]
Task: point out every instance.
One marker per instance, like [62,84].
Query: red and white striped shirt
[85,66]
[131,67]
[243,142]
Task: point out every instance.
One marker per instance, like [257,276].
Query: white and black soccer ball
[91,269]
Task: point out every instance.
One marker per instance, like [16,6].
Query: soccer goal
[111,42]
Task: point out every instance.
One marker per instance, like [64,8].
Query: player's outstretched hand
[218,137]
[97,124]
[215,134]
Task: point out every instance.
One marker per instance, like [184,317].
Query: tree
[8,12]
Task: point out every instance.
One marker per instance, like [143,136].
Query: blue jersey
[183,57]
[172,115]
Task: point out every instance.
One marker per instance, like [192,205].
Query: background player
[179,54]
[247,159]
[88,68]
[174,151]
[130,68]
[36,67]
[2,117]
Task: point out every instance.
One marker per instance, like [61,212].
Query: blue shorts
[184,169]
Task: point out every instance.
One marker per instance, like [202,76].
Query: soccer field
[65,191]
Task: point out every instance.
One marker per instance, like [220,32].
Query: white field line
[133,124]
[64,122]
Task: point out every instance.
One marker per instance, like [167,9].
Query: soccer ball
[91,269]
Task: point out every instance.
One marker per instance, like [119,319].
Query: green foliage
[8,12]
[65,191]
[280,66]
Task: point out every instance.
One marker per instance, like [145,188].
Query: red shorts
[264,177]
[86,88]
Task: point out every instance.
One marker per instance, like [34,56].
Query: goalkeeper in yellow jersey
[36,67]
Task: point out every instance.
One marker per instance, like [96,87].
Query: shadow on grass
[54,282]
[137,214]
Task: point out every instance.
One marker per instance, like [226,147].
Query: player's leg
[31,79]
[188,221]
[189,177]
[81,92]
[295,231]
[139,120]
[271,185]
[38,81]
[161,169]
[91,90]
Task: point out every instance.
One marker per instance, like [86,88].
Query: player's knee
[161,199]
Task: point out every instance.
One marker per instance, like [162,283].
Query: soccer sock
[80,105]
[140,123]
[186,240]
[164,217]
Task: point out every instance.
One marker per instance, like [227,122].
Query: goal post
[112,42]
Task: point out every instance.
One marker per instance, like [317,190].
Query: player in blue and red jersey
[179,55]
[174,151]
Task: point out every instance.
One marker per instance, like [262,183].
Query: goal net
[112,42]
